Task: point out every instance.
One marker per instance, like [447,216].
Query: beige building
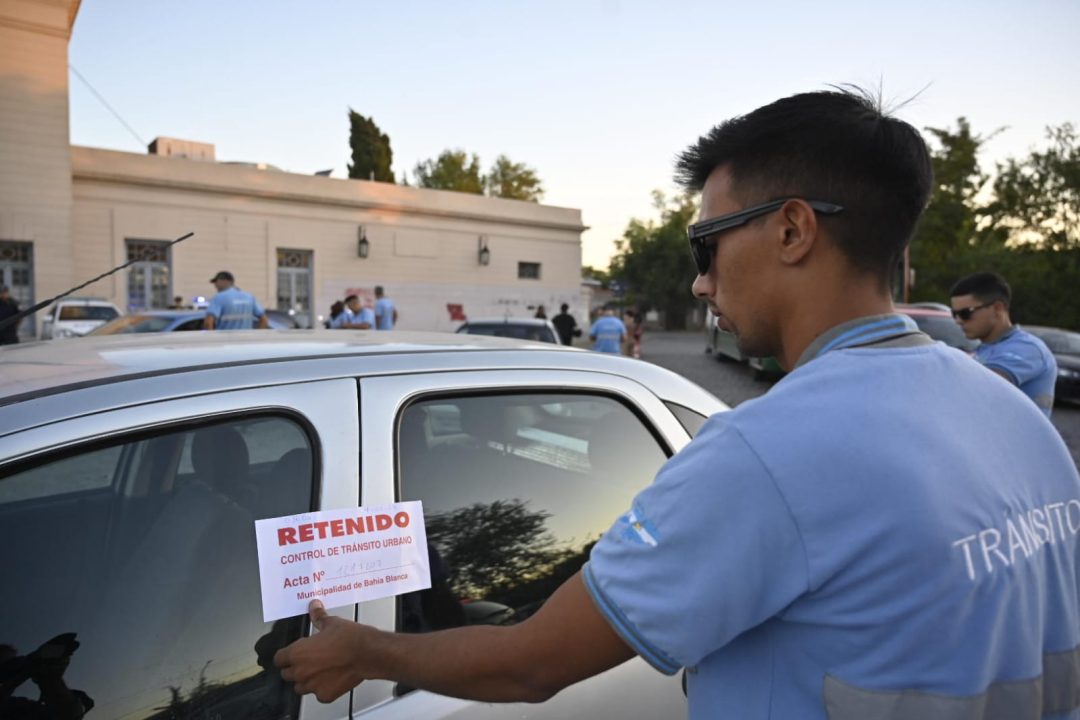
[297,242]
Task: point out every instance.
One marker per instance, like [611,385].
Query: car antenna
[45,303]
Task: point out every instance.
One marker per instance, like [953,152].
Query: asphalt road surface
[684,353]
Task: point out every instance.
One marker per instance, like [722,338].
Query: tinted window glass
[87,312]
[139,584]
[135,324]
[516,490]
[540,333]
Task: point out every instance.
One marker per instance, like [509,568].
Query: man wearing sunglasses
[980,304]
[885,534]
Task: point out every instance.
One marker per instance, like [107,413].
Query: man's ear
[798,231]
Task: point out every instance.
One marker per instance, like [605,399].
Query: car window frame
[330,406]
[383,399]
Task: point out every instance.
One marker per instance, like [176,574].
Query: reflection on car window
[141,593]
[689,419]
[516,491]
[536,333]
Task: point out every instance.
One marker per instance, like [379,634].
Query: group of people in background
[351,314]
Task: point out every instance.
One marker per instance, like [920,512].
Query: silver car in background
[133,467]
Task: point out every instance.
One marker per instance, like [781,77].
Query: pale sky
[597,96]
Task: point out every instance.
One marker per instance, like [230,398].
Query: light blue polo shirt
[384,314]
[891,532]
[347,317]
[234,309]
[1026,361]
[608,331]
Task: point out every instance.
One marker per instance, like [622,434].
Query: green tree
[371,153]
[1037,198]
[653,261]
[452,170]
[514,181]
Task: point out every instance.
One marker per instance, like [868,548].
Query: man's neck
[815,319]
[1000,331]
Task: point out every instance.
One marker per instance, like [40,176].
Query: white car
[534,329]
[75,317]
[133,468]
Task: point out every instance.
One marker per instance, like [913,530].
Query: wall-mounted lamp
[362,245]
[483,255]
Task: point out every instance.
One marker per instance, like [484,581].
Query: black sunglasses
[966,313]
[701,233]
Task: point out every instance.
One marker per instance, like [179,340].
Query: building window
[528,271]
[150,277]
[17,273]
[294,284]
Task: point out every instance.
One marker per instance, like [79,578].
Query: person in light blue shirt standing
[890,532]
[233,308]
[354,317]
[385,311]
[607,333]
[980,305]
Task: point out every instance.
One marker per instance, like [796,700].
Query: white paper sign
[341,557]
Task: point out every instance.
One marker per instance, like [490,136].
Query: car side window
[516,491]
[136,589]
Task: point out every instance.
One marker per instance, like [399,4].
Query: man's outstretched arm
[567,640]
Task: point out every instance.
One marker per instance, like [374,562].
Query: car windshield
[87,312]
[1061,342]
[540,333]
[134,324]
[945,330]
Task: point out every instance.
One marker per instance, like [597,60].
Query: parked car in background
[722,344]
[172,321]
[535,329]
[1065,345]
[133,468]
[939,325]
[281,320]
[75,317]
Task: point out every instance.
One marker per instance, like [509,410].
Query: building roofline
[123,168]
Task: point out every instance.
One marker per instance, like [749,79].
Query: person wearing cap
[891,532]
[233,308]
[980,305]
[8,308]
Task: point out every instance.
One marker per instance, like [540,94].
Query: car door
[519,472]
[130,570]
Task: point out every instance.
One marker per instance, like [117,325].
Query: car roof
[38,367]
[507,321]
[46,382]
[923,311]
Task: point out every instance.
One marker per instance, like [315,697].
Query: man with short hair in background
[385,311]
[980,305]
[607,333]
[233,308]
[566,325]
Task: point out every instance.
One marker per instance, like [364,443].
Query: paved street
[684,353]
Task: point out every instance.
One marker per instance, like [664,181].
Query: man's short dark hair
[837,146]
[564,307]
[986,287]
[378,290]
[350,298]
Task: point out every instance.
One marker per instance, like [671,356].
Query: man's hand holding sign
[347,556]
[567,640]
